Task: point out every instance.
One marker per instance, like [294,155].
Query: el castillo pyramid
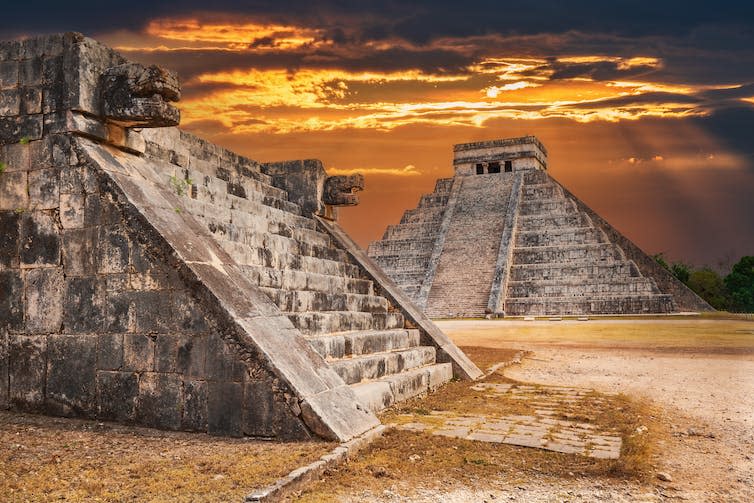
[503,238]
[148,276]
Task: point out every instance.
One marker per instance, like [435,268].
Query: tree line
[733,292]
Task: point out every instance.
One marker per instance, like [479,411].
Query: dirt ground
[700,372]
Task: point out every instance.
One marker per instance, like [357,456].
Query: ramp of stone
[461,287]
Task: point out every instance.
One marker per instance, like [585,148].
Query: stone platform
[546,429]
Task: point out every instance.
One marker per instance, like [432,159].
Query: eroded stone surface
[539,431]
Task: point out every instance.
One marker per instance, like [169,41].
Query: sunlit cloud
[408,170]
[240,36]
[313,88]
[494,91]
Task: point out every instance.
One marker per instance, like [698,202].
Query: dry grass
[45,459]
[710,336]
[406,460]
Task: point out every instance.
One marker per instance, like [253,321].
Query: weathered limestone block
[44,289]
[340,190]
[134,95]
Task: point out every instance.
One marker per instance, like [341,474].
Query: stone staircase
[563,264]
[315,283]
[472,241]
[405,249]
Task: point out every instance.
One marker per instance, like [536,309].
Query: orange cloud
[242,36]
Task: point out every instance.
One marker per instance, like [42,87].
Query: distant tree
[710,286]
[660,259]
[681,271]
[740,285]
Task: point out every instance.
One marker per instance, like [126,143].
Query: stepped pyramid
[149,276]
[502,237]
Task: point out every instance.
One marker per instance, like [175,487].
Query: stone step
[433,199]
[564,253]
[421,215]
[450,311]
[416,246]
[602,304]
[542,190]
[573,269]
[216,191]
[536,177]
[560,236]
[302,280]
[245,255]
[421,230]
[410,276]
[293,301]
[547,206]
[258,230]
[403,262]
[208,187]
[578,286]
[552,221]
[241,205]
[314,323]
[364,342]
[373,366]
[443,185]
[249,214]
[380,394]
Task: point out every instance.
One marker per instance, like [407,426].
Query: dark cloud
[732,128]
[639,99]
[419,20]
[599,70]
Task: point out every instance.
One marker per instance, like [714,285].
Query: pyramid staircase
[316,284]
[563,264]
[405,250]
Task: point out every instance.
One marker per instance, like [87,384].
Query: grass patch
[46,459]
[710,335]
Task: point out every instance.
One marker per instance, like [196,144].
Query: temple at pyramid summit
[503,238]
[149,276]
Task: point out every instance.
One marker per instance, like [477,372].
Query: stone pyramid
[149,276]
[503,238]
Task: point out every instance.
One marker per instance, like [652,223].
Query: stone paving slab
[544,430]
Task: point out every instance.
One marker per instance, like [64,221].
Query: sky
[646,108]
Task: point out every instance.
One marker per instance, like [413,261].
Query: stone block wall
[97,319]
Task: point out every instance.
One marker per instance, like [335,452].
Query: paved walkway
[549,427]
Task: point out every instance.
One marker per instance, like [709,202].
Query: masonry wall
[97,317]
[96,321]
